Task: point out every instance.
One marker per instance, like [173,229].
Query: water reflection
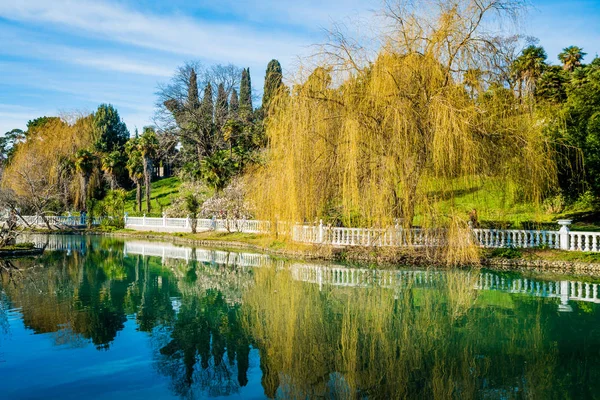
[313,330]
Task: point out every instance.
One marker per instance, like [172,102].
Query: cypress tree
[233,105]
[193,99]
[206,118]
[221,107]
[245,96]
[273,81]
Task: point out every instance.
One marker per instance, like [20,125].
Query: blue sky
[71,55]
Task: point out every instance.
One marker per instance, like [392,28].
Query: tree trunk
[84,190]
[138,194]
[194,223]
[147,167]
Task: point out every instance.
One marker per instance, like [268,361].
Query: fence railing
[563,238]
[496,238]
[57,220]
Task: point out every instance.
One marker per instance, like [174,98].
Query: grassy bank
[380,255]
[493,208]
[163,191]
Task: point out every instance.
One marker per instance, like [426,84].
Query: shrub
[509,253]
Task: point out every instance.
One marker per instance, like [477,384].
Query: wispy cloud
[19,42]
[168,33]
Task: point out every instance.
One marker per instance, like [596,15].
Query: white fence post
[187,222]
[144,220]
[563,233]
[320,238]
[164,215]
[125,219]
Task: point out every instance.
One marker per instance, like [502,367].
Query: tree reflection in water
[445,340]
[86,297]
[442,342]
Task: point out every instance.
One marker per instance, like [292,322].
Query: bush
[228,204]
[509,253]
[112,223]
[586,201]
[555,204]
[179,206]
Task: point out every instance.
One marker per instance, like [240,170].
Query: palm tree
[135,167]
[528,67]
[110,164]
[148,147]
[85,162]
[217,169]
[571,57]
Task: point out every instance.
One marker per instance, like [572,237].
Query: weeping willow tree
[383,142]
[42,173]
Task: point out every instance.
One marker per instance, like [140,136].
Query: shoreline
[354,256]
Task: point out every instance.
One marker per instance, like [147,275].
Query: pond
[98,317]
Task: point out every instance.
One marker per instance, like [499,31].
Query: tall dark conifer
[233,105]
[273,81]
[206,119]
[221,110]
[246,96]
[193,99]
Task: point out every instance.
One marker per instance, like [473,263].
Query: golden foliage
[400,134]
[42,163]
[388,343]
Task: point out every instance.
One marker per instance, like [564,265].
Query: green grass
[544,254]
[494,209]
[18,246]
[162,194]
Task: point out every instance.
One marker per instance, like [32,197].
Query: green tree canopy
[273,81]
[245,103]
[233,105]
[529,66]
[221,107]
[571,57]
[110,132]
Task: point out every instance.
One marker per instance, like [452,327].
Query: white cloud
[170,33]
[27,44]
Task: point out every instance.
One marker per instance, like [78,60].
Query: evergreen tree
[273,81]
[110,133]
[233,105]
[571,57]
[148,147]
[206,119]
[245,103]
[221,110]
[193,101]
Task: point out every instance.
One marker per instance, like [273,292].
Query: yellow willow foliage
[45,156]
[376,342]
[387,142]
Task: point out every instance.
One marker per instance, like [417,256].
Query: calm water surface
[102,318]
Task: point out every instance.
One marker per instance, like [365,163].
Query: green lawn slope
[162,194]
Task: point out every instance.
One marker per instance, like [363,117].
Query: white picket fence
[563,239]
[58,220]
[165,224]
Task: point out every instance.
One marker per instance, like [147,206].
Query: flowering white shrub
[229,204]
[178,208]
